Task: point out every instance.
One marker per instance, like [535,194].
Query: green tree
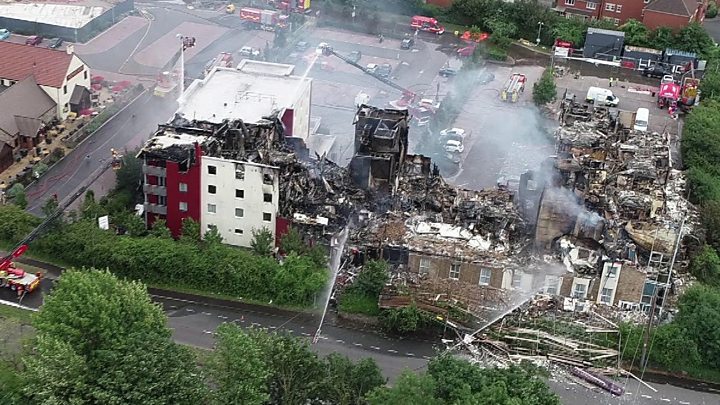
[405,320]
[237,367]
[298,280]
[160,229]
[212,237]
[347,383]
[410,389]
[129,177]
[17,193]
[130,222]
[293,242]
[297,373]
[91,209]
[710,83]
[190,230]
[673,349]
[662,38]
[706,266]
[544,90]
[712,10]
[262,242]
[636,33]
[710,214]
[694,38]
[49,207]
[372,278]
[101,340]
[15,223]
[570,30]
[699,318]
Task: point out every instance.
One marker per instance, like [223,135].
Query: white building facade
[237,198]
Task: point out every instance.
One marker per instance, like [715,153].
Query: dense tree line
[101,340]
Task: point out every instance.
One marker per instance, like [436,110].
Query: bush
[496,53]
[712,10]
[353,302]
[706,266]
[405,320]
[544,89]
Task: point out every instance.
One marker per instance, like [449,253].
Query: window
[516,279]
[569,2]
[424,265]
[239,212]
[268,179]
[183,206]
[267,197]
[618,9]
[212,208]
[85,75]
[183,187]
[551,283]
[161,181]
[212,227]
[267,217]
[239,171]
[212,170]
[609,7]
[580,291]
[613,272]
[606,296]
[239,193]
[455,271]
[162,200]
[238,231]
[65,89]
[616,21]
[591,5]
[485,276]
[212,189]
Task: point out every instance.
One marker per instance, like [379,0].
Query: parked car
[55,43]
[656,71]
[452,133]
[371,68]
[355,56]
[321,47]
[447,71]
[302,46]
[407,43]
[4,34]
[249,52]
[384,70]
[34,40]
[453,146]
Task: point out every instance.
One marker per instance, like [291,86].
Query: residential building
[58,73]
[675,14]
[26,109]
[212,162]
[653,13]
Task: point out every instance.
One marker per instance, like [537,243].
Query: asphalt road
[126,130]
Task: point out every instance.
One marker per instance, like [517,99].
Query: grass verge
[353,302]
[21,315]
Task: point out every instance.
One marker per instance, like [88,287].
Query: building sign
[75,72]
[562,52]
[104,222]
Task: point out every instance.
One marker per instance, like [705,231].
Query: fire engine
[166,83]
[669,93]
[267,20]
[225,59]
[295,6]
[513,87]
[116,162]
[428,24]
[17,279]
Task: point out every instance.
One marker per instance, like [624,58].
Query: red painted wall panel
[191,197]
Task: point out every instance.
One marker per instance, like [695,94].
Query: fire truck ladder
[329,51]
[513,87]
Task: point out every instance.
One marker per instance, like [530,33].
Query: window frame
[485,273]
[454,269]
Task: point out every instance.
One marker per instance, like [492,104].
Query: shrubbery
[544,90]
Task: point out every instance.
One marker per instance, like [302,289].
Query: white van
[597,94]
[642,116]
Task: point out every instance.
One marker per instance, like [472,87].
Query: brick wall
[630,284]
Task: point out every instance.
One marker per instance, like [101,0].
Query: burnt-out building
[381,139]
[603,44]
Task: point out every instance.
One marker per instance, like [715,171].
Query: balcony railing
[153,189]
[156,209]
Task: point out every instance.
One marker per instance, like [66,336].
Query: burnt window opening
[239,172]
[212,170]
[239,212]
[239,193]
[238,231]
[268,179]
[267,197]
[267,217]
[212,189]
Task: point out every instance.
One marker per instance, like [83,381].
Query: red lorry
[268,20]
[428,24]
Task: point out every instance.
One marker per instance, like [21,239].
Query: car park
[4,34]
[33,40]
[55,43]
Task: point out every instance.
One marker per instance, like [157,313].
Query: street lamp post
[185,42]
[540,25]
[353,14]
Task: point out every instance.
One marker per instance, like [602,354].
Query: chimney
[70,49]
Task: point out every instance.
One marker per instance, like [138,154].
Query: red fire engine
[428,24]
[268,20]
[17,279]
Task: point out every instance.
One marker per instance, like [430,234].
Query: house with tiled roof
[26,111]
[57,73]
[675,14]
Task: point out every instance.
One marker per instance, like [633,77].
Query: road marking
[665,399]
[254,324]
[222,317]
[646,396]
[684,403]
[173,307]
[426,357]
[209,332]
[410,354]
[392,351]
[206,313]
[290,331]
[375,347]
[239,320]
[323,337]
[189,309]
[272,327]
[358,344]
[305,334]
[339,340]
